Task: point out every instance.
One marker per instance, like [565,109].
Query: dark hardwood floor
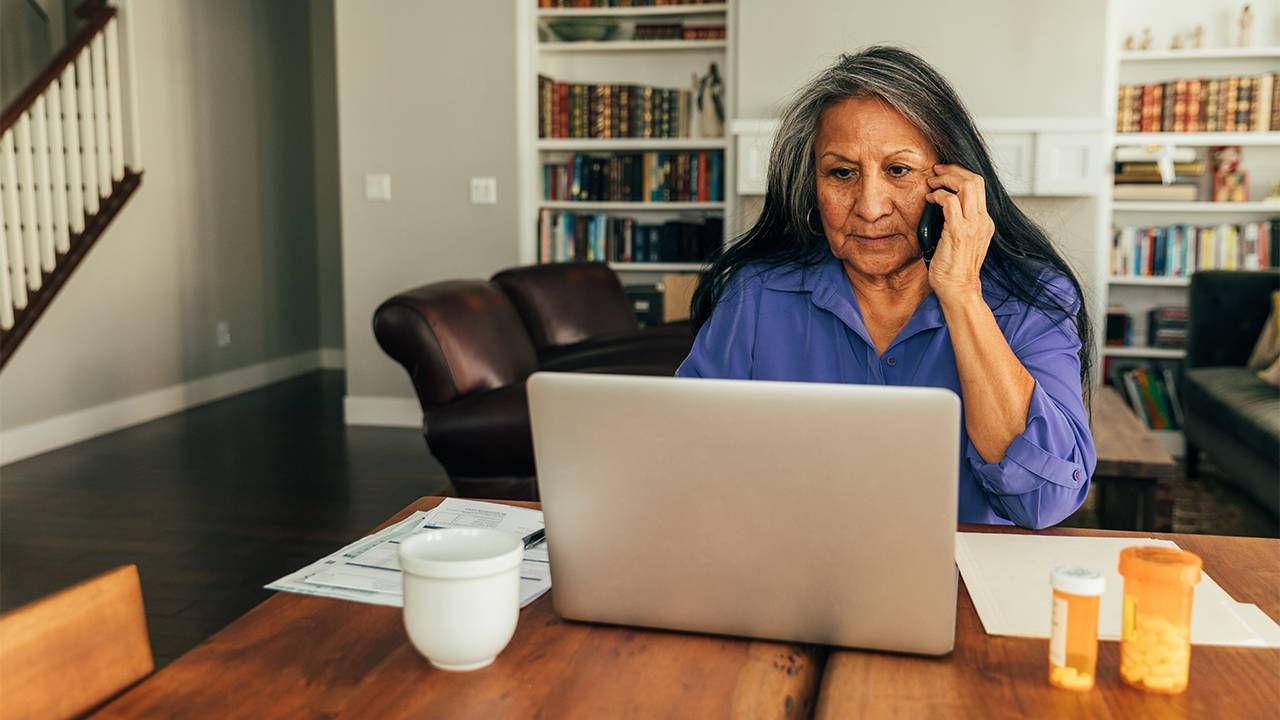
[211,504]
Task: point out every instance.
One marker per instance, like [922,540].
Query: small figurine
[1197,37]
[1130,43]
[1146,39]
[1177,42]
[1246,27]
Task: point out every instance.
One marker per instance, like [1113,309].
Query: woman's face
[872,165]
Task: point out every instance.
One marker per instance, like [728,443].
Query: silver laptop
[803,512]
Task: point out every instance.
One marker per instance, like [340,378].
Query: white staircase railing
[69,158]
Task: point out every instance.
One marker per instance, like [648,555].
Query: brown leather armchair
[469,346]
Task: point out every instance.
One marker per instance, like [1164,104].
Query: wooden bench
[1135,473]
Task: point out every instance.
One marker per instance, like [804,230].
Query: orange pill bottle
[1155,631]
[1073,638]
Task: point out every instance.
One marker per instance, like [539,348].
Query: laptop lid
[805,512]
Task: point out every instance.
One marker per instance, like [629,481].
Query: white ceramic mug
[461,594]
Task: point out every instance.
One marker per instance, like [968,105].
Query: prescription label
[1058,636]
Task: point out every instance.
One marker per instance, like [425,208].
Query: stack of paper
[1008,579]
[368,570]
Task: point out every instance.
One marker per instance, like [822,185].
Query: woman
[830,284]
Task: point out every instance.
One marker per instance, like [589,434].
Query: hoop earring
[809,223]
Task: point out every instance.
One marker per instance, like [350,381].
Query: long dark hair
[1019,254]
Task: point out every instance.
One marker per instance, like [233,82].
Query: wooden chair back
[67,653]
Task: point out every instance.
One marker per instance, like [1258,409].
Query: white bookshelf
[622,60]
[1229,208]
[1199,139]
[1139,351]
[1152,281]
[631,45]
[1200,55]
[1261,149]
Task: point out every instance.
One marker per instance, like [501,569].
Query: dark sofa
[469,346]
[1230,413]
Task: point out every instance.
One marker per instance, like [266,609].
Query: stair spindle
[44,198]
[114,111]
[13,222]
[58,170]
[27,198]
[88,144]
[71,137]
[101,124]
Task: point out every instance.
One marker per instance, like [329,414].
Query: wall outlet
[484,191]
[223,332]
[377,186]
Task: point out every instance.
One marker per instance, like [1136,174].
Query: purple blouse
[803,324]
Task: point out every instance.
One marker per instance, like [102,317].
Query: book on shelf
[1179,192]
[1150,387]
[593,110]
[687,30]
[1167,327]
[1119,329]
[1179,250]
[686,176]
[565,236]
[1238,103]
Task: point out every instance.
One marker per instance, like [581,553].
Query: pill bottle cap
[1160,564]
[1078,580]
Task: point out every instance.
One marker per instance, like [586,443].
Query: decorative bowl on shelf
[579,29]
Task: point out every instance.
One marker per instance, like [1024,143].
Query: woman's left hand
[955,271]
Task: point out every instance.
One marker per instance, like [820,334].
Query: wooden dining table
[305,656]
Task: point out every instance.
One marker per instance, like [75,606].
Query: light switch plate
[377,186]
[484,191]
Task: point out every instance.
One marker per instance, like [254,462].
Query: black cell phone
[929,230]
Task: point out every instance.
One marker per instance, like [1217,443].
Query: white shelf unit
[1200,55]
[631,45]
[659,63]
[1154,281]
[1261,149]
[1139,351]
[1198,139]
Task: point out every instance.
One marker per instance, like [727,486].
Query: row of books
[592,237]
[1151,388]
[1166,327]
[1230,104]
[618,3]
[593,110]
[1179,250]
[679,31]
[694,176]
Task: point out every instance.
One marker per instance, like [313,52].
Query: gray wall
[426,93]
[1005,57]
[223,227]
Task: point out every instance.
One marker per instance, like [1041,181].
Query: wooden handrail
[98,20]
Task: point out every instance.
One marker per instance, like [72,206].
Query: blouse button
[892,361]
[1078,475]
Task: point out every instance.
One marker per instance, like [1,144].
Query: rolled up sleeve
[1045,473]
[724,345]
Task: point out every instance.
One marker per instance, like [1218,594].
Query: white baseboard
[38,437]
[333,359]
[382,411]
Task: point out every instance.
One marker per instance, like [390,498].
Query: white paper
[368,570]
[1008,579]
